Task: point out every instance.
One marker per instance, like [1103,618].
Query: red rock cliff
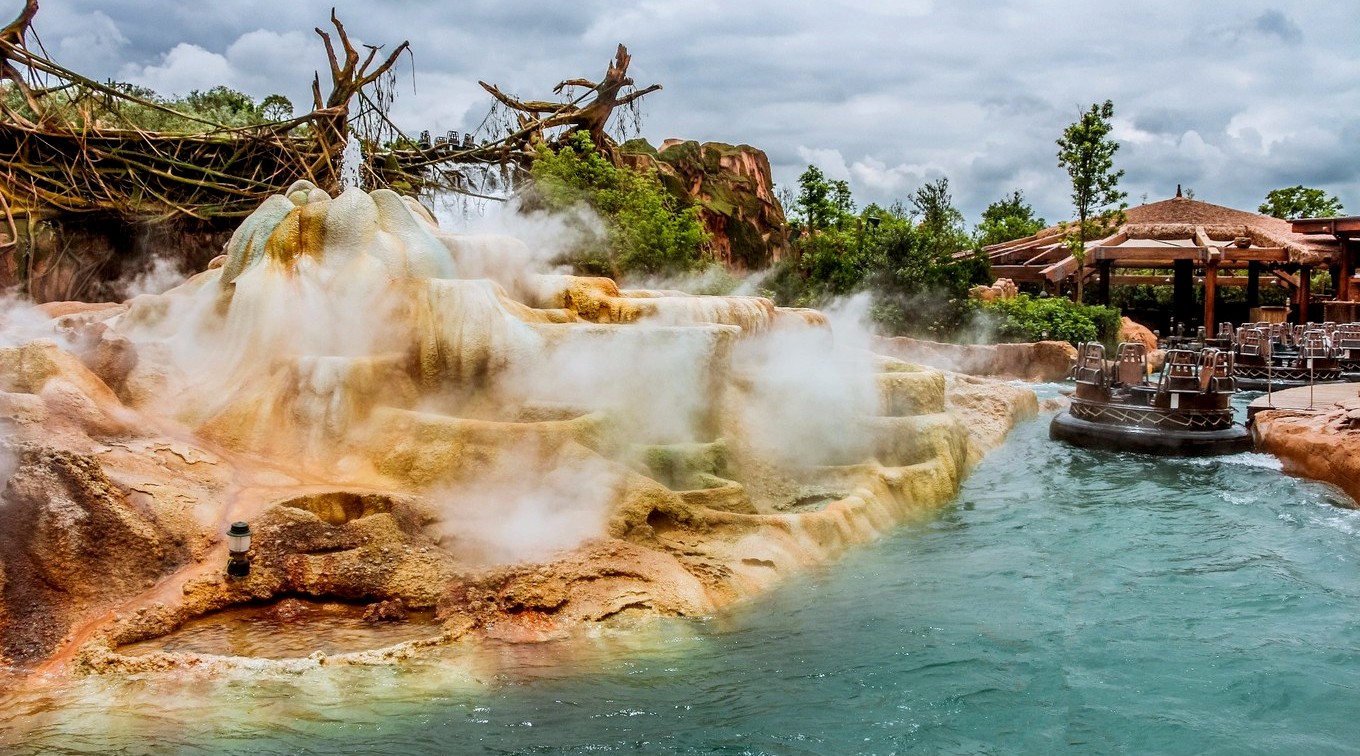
[733,189]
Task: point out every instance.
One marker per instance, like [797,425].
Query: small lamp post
[238,546]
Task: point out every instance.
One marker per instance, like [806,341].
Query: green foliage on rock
[1028,318]
[1300,202]
[730,185]
[647,229]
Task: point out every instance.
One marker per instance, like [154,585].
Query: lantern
[238,546]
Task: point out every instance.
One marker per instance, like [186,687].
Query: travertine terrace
[415,420]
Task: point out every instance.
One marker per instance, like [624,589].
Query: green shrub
[1027,318]
[648,230]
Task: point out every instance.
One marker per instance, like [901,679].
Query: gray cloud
[1276,24]
[1228,97]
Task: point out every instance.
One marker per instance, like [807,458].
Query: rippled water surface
[1069,601]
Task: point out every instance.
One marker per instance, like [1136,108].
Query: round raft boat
[1275,358]
[1184,411]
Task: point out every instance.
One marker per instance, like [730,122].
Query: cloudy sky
[1229,98]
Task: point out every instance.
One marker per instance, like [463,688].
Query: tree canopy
[822,202]
[1300,202]
[1007,219]
[1087,151]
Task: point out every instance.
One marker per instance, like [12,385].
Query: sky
[1228,98]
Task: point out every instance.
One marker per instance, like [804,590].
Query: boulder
[1130,330]
[1323,446]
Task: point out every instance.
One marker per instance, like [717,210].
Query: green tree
[276,107]
[940,221]
[918,272]
[1007,219]
[842,203]
[648,230]
[821,203]
[1300,202]
[1086,150]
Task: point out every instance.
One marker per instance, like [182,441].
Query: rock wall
[734,191]
[96,259]
[1043,361]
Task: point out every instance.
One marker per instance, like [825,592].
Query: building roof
[1160,232]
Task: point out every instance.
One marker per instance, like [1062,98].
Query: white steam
[810,391]
[162,275]
[544,239]
[657,383]
[525,508]
[21,321]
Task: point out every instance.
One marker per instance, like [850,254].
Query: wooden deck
[1319,398]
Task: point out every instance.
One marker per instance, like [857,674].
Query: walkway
[1318,398]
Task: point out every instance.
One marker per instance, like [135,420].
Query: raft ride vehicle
[1271,360]
[1185,410]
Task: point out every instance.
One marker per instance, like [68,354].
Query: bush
[1027,318]
[648,231]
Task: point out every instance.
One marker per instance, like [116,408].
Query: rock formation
[1000,289]
[734,191]
[1319,445]
[1039,361]
[517,456]
[1129,330]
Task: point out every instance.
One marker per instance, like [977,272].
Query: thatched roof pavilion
[1186,237]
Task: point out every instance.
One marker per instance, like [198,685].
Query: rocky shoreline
[1320,444]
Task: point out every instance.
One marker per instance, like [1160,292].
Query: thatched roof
[1190,226]
[1178,217]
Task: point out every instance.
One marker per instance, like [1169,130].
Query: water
[1069,601]
[351,161]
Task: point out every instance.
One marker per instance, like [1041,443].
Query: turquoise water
[1069,601]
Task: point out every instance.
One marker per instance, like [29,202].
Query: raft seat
[1216,372]
[1090,367]
[1180,374]
[1131,364]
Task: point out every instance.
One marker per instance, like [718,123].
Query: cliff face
[733,189]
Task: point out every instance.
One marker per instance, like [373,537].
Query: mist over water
[1069,601]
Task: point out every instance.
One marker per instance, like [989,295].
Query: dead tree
[347,80]
[584,113]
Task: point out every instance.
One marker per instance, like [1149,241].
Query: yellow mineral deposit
[410,422]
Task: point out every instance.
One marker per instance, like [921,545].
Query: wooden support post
[1343,280]
[1305,274]
[1210,292]
[1253,286]
[1183,292]
[1103,290]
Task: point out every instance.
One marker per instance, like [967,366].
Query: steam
[656,383]
[541,241]
[529,506]
[162,275]
[810,391]
[22,322]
